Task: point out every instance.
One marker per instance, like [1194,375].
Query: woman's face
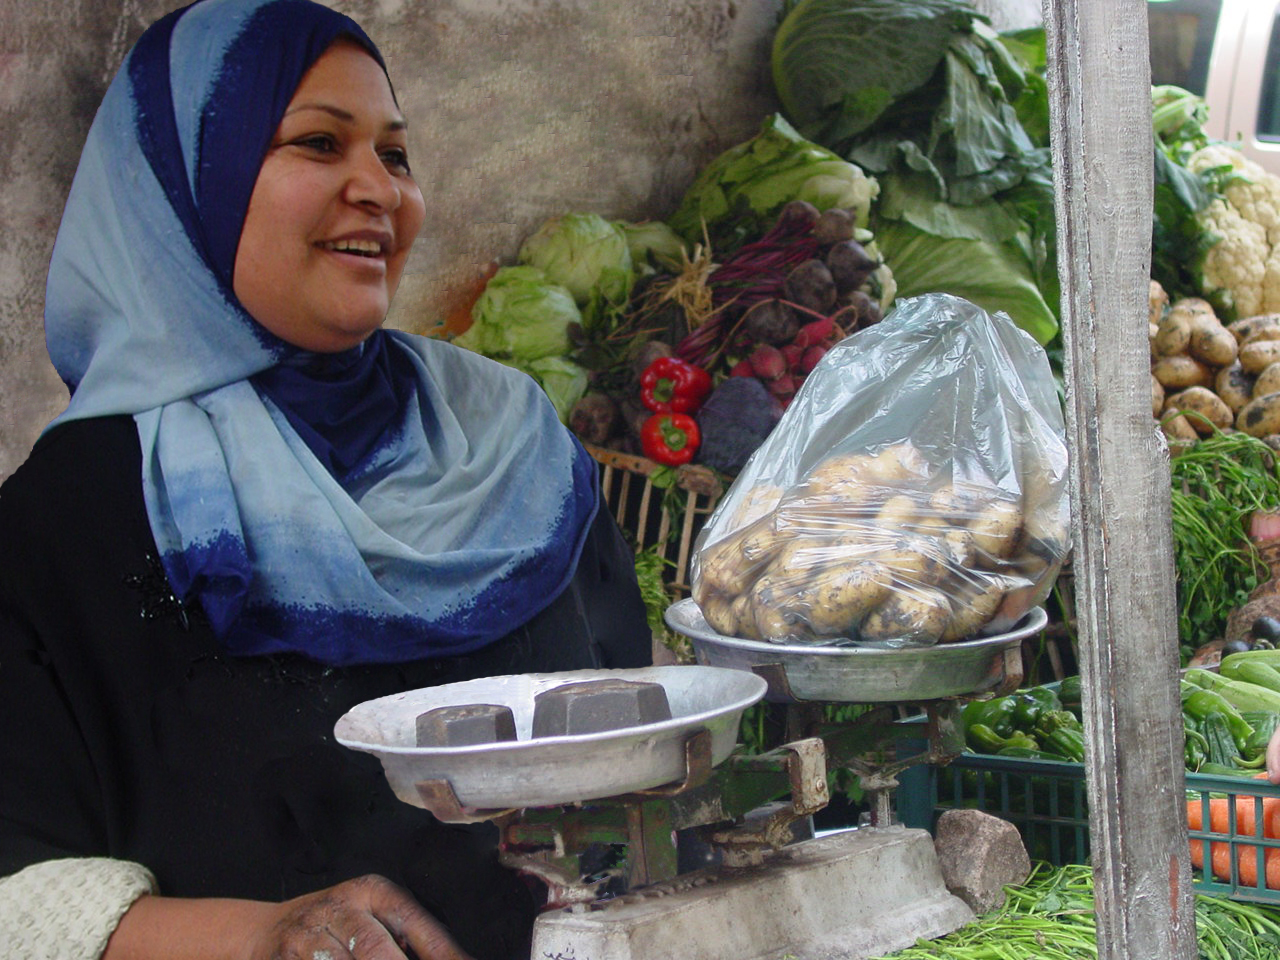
[334,210]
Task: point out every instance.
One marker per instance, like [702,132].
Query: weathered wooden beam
[1099,85]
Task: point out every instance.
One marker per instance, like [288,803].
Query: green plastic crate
[1046,801]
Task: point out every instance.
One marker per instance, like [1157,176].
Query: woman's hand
[369,918]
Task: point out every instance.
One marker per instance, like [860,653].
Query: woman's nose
[371,184]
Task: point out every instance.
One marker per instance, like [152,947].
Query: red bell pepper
[670,438]
[670,385]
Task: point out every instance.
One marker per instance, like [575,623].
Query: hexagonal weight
[465,725]
[592,706]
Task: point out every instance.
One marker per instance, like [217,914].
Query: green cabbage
[563,380]
[738,194]
[653,243]
[521,316]
[585,254]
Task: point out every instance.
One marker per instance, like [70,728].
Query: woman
[259,510]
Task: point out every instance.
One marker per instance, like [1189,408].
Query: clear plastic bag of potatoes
[913,493]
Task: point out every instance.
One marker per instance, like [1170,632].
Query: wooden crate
[626,482]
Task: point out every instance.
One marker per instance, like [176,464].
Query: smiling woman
[259,509]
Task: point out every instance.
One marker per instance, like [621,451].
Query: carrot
[1245,828]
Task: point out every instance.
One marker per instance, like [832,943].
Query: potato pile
[881,548]
[1207,376]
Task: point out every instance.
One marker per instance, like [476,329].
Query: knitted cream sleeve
[67,909]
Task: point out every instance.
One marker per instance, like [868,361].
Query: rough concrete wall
[518,109]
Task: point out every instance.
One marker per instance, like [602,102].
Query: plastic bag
[914,492]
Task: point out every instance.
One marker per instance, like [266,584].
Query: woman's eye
[318,142]
[397,159]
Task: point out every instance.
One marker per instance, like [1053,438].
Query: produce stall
[744,362]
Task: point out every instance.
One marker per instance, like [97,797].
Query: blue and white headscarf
[405,499]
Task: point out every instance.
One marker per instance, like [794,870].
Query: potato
[1191,307]
[1268,381]
[913,561]
[1157,302]
[1178,373]
[996,528]
[1272,440]
[1208,410]
[1260,416]
[896,465]
[1242,330]
[1257,355]
[962,547]
[952,504]
[1173,335]
[760,541]
[1151,340]
[740,612]
[1263,333]
[757,502]
[802,556]
[919,616]
[1211,342]
[1233,385]
[840,596]
[773,621]
[717,611]
[1157,397]
[1179,431]
[972,606]
[898,513]
[722,568]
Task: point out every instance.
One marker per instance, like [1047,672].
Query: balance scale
[559,801]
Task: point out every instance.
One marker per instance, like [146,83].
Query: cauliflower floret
[1235,267]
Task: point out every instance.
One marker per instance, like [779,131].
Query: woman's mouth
[361,248]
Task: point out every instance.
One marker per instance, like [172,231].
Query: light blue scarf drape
[463,511]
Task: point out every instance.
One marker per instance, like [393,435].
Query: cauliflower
[1241,272]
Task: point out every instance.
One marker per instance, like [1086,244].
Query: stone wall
[518,109]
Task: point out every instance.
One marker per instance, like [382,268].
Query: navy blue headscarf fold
[401,500]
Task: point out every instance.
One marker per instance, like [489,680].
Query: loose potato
[972,606]
[1257,355]
[1151,339]
[1191,307]
[1157,302]
[1157,396]
[996,528]
[1263,333]
[1173,335]
[1272,440]
[1211,342]
[1178,373]
[1260,417]
[1242,330]
[1268,381]
[916,616]
[1179,431]
[840,596]
[1233,385]
[1208,411]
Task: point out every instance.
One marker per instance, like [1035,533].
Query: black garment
[126,732]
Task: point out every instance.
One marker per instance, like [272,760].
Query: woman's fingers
[369,918]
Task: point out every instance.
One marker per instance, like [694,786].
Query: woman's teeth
[363,248]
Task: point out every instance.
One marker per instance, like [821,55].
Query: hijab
[401,500]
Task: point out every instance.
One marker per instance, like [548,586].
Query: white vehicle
[1227,51]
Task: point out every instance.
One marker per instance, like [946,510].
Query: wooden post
[1099,83]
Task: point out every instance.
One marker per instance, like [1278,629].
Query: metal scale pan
[863,674]
[547,771]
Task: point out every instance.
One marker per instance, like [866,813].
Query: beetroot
[742,368]
[811,286]
[833,226]
[850,265]
[782,386]
[770,321]
[792,353]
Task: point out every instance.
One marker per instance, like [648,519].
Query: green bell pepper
[996,714]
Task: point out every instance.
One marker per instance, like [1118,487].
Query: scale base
[846,896]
